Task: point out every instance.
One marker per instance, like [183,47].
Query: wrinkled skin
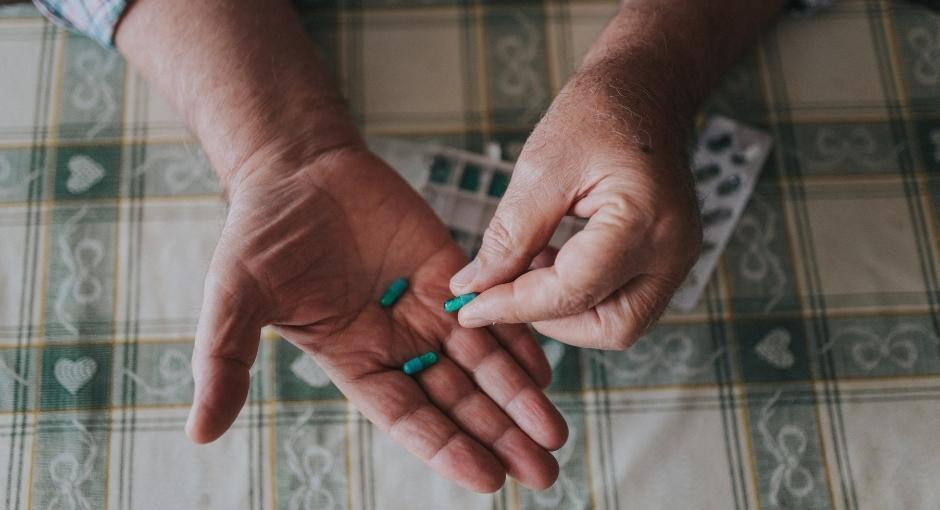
[310,251]
[594,156]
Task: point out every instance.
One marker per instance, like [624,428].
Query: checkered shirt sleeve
[94,18]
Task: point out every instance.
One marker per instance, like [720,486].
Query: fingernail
[474,323]
[466,275]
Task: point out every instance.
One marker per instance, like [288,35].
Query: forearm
[244,75]
[659,59]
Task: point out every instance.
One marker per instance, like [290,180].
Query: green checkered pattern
[809,377]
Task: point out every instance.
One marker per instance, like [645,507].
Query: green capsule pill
[394,291]
[456,303]
[415,365]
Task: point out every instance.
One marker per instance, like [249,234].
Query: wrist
[245,77]
[647,77]
[275,140]
[677,49]
[626,103]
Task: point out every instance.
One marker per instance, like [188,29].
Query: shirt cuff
[95,18]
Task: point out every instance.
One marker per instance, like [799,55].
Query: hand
[594,155]
[311,251]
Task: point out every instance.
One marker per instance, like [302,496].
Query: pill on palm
[417,364]
[393,292]
[456,303]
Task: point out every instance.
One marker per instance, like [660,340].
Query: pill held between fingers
[419,363]
[393,292]
[456,303]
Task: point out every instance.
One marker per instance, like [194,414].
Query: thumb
[522,227]
[226,345]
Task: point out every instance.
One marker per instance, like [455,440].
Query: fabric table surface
[809,376]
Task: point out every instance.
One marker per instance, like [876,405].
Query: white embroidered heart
[72,375]
[309,372]
[84,173]
[775,348]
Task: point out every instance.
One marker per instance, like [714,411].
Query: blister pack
[726,164]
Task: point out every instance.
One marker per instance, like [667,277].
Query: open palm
[310,250]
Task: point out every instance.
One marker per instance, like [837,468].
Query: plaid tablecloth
[808,378]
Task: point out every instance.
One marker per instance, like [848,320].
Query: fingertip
[526,461]
[204,427]
[545,478]
[466,320]
[198,434]
[481,310]
[537,416]
[558,437]
[540,369]
[221,390]
[553,474]
[489,484]
[456,289]
[461,281]
[469,464]
[555,433]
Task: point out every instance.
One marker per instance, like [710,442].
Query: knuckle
[646,305]
[615,336]
[575,300]
[498,242]
[641,310]
[623,341]
[616,333]
[497,236]
[627,208]
[683,231]
[620,335]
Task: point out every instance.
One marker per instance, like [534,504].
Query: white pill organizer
[464,188]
